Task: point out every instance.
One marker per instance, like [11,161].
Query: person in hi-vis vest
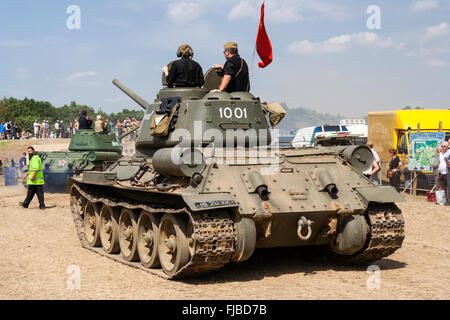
[35,180]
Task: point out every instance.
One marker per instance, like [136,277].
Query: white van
[305,136]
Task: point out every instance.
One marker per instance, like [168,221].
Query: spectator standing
[43,130]
[36,127]
[70,128]
[22,162]
[2,130]
[447,160]
[84,121]
[61,129]
[14,131]
[47,129]
[8,128]
[118,128]
[441,177]
[57,128]
[394,170]
[374,176]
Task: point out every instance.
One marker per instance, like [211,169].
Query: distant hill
[297,118]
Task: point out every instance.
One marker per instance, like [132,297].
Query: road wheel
[127,235]
[109,230]
[92,224]
[173,248]
[147,239]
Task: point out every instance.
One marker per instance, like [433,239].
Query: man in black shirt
[84,121]
[235,71]
[184,72]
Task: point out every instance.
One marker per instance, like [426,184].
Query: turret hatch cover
[213,78]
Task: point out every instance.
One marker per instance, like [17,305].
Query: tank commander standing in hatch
[184,72]
[235,70]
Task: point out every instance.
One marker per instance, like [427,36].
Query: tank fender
[351,235]
[381,194]
[202,202]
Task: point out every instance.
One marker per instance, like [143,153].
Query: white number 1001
[228,112]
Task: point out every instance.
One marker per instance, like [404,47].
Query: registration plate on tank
[215,203]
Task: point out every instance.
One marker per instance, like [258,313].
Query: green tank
[88,150]
[206,187]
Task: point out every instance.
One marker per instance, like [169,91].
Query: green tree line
[25,112]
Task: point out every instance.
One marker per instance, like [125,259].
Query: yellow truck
[391,129]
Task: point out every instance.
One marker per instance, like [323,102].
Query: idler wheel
[109,230]
[92,224]
[127,235]
[173,248]
[147,239]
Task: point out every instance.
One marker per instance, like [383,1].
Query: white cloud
[284,13]
[78,75]
[437,31]
[182,12]
[437,63]
[244,9]
[288,11]
[424,5]
[340,44]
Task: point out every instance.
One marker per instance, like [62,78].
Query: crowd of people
[442,179]
[44,130]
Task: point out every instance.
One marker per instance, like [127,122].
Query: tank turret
[201,117]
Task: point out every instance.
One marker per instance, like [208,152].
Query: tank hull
[228,196]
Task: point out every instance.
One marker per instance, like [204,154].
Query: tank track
[387,233]
[213,238]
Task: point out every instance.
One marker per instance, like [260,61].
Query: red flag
[263,46]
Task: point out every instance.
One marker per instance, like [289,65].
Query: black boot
[22,205]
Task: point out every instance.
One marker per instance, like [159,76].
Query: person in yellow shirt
[35,180]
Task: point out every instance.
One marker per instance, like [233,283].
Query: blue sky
[325,56]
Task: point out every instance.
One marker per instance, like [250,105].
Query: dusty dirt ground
[38,249]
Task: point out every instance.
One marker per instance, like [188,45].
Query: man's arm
[225,81]
[171,75]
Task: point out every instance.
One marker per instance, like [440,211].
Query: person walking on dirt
[35,180]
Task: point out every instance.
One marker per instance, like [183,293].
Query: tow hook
[303,222]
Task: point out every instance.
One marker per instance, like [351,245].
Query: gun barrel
[140,101]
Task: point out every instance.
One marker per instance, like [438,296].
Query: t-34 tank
[88,150]
[205,188]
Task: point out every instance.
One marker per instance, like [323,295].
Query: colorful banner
[422,149]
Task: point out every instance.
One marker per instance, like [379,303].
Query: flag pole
[254,51]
